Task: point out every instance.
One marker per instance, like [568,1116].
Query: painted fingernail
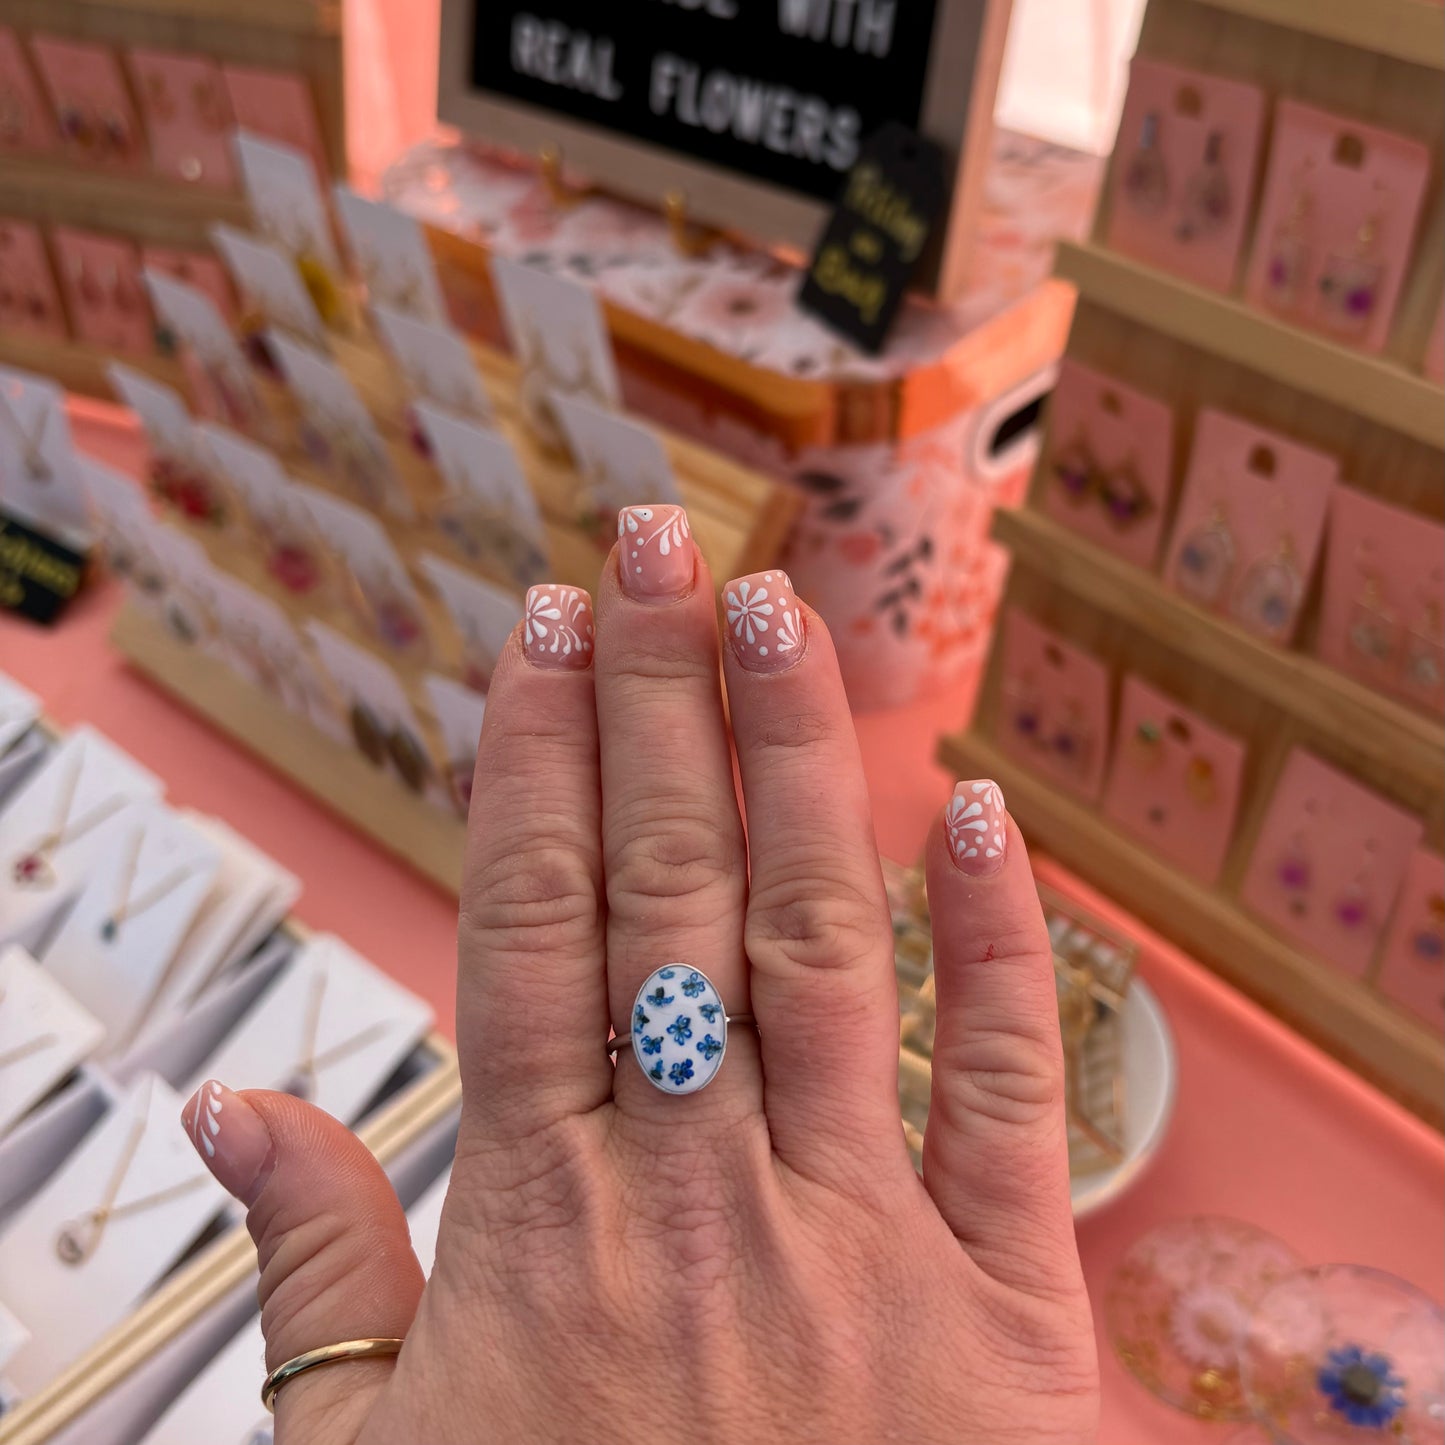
[231,1138]
[557,631]
[977,824]
[656,553]
[764,621]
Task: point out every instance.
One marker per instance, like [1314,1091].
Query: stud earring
[1352,908]
[1269,593]
[1424,667]
[1124,496]
[1373,631]
[1428,941]
[1289,253]
[1070,741]
[1147,745]
[1207,196]
[1146,179]
[1199,780]
[1074,467]
[1295,875]
[1349,285]
[1206,560]
[1026,712]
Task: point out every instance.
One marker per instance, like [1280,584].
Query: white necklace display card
[19,711]
[164,417]
[435,363]
[44,1034]
[53,827]
[222,1405]
[483,613]
[188,605]
[125,520]
[557,333]
[342,430]
[459,712]
[39,474]
[621,461]
[103,1230]
[392,256]
[12,1336]
[19,760]
[332,1028]
[133,910]
[480,466]
[270,284]
[285,200]
[365,544]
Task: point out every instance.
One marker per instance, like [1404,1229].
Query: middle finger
[672,838]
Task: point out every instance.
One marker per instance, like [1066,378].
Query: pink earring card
[1250,524]
[103,292]
[1184,171]
[188,116]
[1175,781]
[277,106]
[1336,224]
[27,126]
[93,109]
[195,268]
[1412,963]
[1382,617]
[1054,708]
[29,300]
[1110,459]
[1329,861]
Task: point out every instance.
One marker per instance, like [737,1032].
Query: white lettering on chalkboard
[718,9]
[550,51]
[755,112]
[864,25]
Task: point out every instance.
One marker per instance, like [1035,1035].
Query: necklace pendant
[32,870]
[69,1247]
[109,930]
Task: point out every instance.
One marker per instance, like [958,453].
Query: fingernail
[764,621]
[977,823]
[557,631]
[656,553]
[231,1138]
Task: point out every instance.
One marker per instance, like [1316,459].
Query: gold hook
[549,167]
[688,239]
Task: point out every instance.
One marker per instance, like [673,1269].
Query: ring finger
[672,838]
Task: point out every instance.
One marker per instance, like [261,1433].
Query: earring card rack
[298,37]
[1379,415]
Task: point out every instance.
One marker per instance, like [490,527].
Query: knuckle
[670,859]
[794,731]
[1011,1075]
[807,924]
[530,901]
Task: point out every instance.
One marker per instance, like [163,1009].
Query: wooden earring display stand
[1379,415]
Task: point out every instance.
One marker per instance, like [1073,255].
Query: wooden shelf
[419,834]
[1412,30]
[79,367]
[1368,386]
[1300,685]
[1342,1014]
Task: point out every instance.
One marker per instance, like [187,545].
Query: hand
[756,1261]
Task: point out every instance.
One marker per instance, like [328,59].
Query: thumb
[334,1249]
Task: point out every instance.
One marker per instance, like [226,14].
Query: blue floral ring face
[679,1029]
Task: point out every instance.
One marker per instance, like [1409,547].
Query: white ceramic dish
[1151,1070]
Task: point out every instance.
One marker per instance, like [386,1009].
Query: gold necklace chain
[127,907]
[30,1046]
[36,467]
[32,866]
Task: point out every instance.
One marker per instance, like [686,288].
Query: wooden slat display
[1198,349]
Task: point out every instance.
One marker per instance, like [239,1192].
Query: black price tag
[38,575]
[876,235]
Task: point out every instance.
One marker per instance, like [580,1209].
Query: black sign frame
[960,62]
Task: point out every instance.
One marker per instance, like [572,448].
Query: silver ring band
[679,1029]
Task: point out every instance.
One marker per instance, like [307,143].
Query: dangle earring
[1025,710]
[1424,668]
[1074,467]
[1352,909]
[1126,500]
[1349,285]
[1269,593]
[1427,942]
[1146,179]
[1373,630]
[1199,780]
[1070,741]
[1295,875]
[1207,196]
[1289,252]
[1206,560]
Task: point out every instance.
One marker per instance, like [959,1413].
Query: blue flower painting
[1362,1387]
[640,1020]
[680,1072]
[709,1048]
[709,1011]
[655,1072]
[694,985]
[681,1028]
[658,999]
[651,1046]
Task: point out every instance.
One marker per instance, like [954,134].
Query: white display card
[332,1028]
[53,827]
[19,759]
[164,416]
[187,602]
[269,282]
[435,363]
[19,711]
[192,316]
[341,429]
[621,461]
[392,257]
[482,613]
[12,1335]
[458,712]
[286,202]
[44,1034]
[141,895]
[125,521]
[39,475]
[559,337]
[70,1278]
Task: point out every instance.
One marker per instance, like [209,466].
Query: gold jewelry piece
[327,1355]
[32,867]
[31,442]
[127,907]
[30,1046]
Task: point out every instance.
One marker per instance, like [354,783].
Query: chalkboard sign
[753,110]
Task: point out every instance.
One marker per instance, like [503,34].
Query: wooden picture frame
[967,40]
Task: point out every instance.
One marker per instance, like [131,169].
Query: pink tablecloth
[1266,1128]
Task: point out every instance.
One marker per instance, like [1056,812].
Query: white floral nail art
[765,622]
[656,553]
[206,1124]
[558,628]
[977,824]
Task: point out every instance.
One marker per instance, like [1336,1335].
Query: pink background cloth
[1266,1128]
